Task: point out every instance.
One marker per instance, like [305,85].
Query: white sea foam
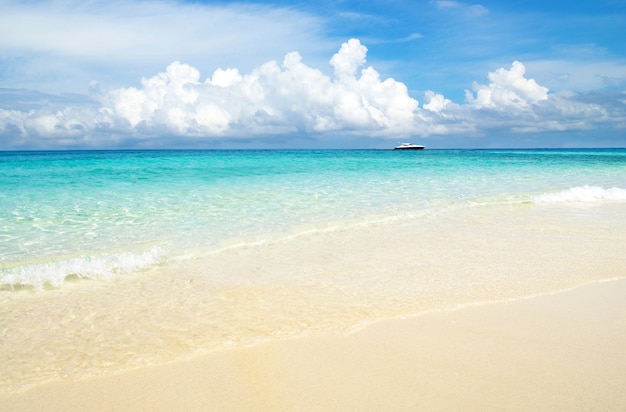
[104,265]
[583,194]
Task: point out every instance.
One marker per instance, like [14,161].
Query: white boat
[409,146]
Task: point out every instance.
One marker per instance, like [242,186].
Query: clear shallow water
[192,251]
[95,214]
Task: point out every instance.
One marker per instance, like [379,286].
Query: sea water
[116,259]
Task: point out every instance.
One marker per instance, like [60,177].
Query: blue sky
[289,74]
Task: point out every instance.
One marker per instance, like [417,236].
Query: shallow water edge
[328,280]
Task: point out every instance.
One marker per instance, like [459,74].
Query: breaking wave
[54,274]
[583,194]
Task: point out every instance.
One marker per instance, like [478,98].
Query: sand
[565,351]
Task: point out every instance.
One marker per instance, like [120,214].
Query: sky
[142,74]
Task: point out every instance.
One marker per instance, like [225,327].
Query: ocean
[111,260]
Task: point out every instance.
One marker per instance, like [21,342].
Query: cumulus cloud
[291,98]
[508,90]
[287,97]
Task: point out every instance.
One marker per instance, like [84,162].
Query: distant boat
[409,146]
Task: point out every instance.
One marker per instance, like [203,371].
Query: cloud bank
[293,99]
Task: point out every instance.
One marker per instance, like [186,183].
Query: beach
[279,206]
[219,281]
[564,351]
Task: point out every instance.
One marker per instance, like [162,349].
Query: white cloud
[520,104]
[436,102]
[508,90]
[289,97]
[349,59]
[294,99]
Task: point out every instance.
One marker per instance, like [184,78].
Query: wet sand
[565,351]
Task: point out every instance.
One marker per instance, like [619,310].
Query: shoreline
[559,351]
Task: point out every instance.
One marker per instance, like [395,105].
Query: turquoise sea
[108,257]
[98,214]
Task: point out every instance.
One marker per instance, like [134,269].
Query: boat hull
[409,148]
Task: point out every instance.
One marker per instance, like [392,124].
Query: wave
[583,194]
[54,274]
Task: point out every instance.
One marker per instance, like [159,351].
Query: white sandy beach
[565,351]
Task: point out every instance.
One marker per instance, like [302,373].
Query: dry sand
[561,352]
